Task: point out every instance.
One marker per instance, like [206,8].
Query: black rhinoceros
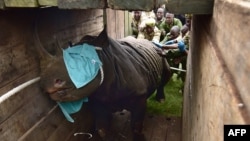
[131,71]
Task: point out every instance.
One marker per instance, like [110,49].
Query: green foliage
[173,103]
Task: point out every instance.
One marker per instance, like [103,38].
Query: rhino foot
[162,100]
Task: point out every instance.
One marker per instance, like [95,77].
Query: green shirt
[154,36]
[167,27]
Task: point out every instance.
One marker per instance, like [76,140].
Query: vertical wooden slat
[128,20]
[115,23]
[20,113]
[81,4]
[2,4]
[120,19]
[217,84]
[111,26]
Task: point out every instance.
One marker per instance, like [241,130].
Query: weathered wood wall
[29,114]
[217,85]
[116,23]
[176,6]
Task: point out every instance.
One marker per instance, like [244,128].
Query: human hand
[181,46]
[170,42]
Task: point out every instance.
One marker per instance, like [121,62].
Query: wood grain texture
[116,23]
[81,4]
[217,82]
[28,114]
[190,6]
[175,6]
[21,3]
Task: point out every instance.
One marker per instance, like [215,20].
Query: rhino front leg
[103,118]
[137,118]
[165,77]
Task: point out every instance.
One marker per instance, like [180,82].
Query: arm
[165,39]
[171,46]
[175,45]
[134,28]
[177,22]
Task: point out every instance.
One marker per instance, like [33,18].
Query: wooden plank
[211,86]
[173,129]
[74,33]
[81,4]
[43,118]
[29,108]
[17,57]
[121,126]
[120,24]
[47,2]
[128,18]
[2,4]
[148,127]
[111,25]
[12,69]
[145,5]
[55,127]
[78,23]
[7,108]
[190,6]
[155,128]
[21,3]
[113,4]
[66,130]
[175,6]
[236,59]
[7,86]
[115,23]
[45,126]
[21,112]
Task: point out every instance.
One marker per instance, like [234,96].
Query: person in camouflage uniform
[137,19]
[159,20]
[149,31]
[170,21]
[176,50]
[188,19]
[185,33]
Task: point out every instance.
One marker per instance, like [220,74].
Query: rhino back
[131,67]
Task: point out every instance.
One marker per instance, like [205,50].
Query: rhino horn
[59,49]
[102,39]
[44,56]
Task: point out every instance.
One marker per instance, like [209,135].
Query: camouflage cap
[150,22]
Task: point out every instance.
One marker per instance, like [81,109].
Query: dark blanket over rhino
[132,71]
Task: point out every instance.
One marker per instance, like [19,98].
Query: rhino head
[55,80]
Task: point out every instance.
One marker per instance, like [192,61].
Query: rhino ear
[102,39]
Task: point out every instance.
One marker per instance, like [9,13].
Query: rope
[17,89]
[178,69]
[102,74]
